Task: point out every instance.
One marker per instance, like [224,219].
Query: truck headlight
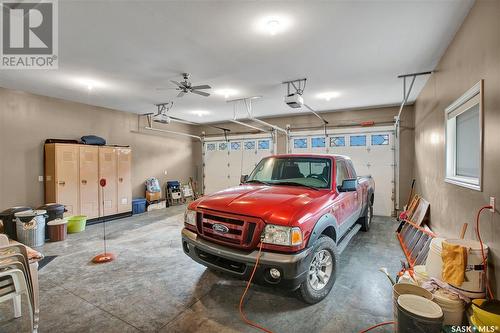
[280,235]
[190,217]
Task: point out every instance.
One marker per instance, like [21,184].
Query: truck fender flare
[368,202]
[324,222]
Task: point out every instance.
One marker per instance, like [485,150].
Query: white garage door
[371,151]
[225,161]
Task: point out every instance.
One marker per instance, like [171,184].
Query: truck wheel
[367,219]
[322,271]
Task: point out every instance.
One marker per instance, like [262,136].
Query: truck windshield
[295,171]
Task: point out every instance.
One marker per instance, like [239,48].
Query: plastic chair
[16,289]
[7,291]
[4,240]
[19,252]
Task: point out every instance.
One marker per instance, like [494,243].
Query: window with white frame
[464,128]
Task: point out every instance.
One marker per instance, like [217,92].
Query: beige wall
[26,120]
[474,54]
[381,116]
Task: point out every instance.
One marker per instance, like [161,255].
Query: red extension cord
[242,314]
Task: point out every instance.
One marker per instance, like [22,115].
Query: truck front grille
[229,229]
[231,265]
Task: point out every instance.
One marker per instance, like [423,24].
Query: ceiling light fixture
[90,84]
[273,24]
[328,95]
[273,27]
[226,92]
[200,113]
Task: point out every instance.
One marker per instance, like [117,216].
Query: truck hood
[274,204]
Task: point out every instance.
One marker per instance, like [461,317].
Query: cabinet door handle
[120,180]
[62,183]
[84,182]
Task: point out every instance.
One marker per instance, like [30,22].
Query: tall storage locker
[124,185]
[89,181]
[108,170]
[62,176]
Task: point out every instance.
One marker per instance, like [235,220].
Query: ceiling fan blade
[204,86]
[181,93]
[177,83]
[161,89]
[202,93]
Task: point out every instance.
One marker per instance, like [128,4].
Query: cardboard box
[153,196]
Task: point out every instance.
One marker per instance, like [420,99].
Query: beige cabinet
[108,194]
[73,172]
[124,185]
[62,176]
[89,181]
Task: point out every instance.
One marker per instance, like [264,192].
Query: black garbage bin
[9,220]
[54,211]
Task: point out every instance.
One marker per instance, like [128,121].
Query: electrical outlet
[40,179]
[492,204]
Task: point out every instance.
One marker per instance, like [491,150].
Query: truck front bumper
[293,267]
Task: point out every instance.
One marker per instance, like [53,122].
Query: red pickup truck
[303,208]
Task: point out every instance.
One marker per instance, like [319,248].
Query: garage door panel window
[337,141]
[222,146]
[249,145]
[300,143]
[235,145]
[211,146]
[464,140]
[358,140]
[264,144]
[380,139]
[318,142]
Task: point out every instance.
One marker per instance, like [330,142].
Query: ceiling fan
[185,87]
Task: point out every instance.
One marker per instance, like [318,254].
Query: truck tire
[322,271]
[366,220]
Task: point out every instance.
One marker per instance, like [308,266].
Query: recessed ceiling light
[328,95]
[89,84]
[273,27]
[200,113]
[273,24]
[226,92]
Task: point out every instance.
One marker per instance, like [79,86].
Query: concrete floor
[154,287]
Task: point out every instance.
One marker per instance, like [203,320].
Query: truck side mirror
[243,179]
[349,185]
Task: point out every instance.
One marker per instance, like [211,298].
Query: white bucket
[473,285]
[420,274]
[434,263]
[453,307]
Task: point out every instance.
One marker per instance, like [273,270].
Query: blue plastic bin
[138,205]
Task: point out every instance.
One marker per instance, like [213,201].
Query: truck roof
[335,156]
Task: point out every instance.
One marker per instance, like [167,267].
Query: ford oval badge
[220,228]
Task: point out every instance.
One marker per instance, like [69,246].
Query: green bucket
[76,223]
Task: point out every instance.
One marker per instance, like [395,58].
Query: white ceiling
[129,48]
